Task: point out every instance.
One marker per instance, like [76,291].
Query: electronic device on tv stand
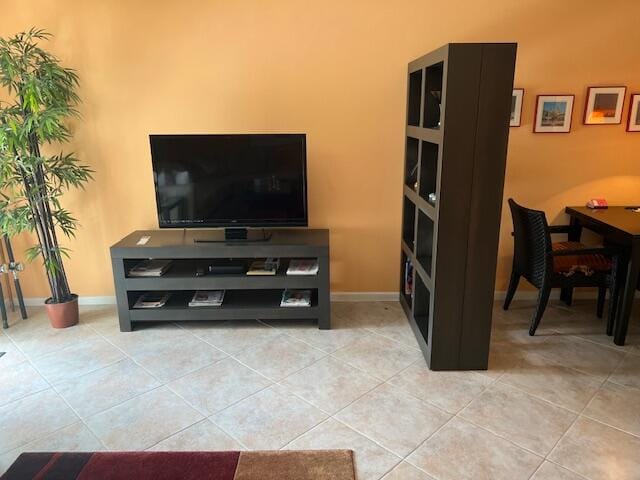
[227,266]
[238,182]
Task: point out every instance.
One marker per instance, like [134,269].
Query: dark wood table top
[622,219]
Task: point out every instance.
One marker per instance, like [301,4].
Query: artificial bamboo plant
[41,98]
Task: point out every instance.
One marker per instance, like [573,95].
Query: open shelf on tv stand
[248,297]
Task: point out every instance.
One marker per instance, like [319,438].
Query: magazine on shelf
[150,268]
[152,300]
[207,298]
[408,278]
[296,298]
[264,267]
[303,266]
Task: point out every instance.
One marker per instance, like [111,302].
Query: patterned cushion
[587,264]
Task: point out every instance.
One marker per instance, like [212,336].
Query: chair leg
[602,294]
[543,298]
[566,295]
[513,286]
[614,299]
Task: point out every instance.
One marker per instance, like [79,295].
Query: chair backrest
[532,243]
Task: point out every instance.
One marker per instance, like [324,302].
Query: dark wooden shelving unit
[457,130]
[246,297]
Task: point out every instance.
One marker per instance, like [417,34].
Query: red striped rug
[276,465]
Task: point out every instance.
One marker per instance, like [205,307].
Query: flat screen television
[246,180]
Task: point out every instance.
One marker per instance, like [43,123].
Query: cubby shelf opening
[422,298]
[233,299]
[414,100]
[406,280]
[429,172]
[411,163]
[408,223]
[433,96]
[424,248]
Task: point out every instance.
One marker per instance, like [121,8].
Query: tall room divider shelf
[458,108]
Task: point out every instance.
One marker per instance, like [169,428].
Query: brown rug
[275,465]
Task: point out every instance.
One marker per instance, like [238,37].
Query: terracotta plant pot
[63,315]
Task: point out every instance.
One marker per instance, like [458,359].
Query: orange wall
[336,70]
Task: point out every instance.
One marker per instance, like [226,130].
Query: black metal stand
[12,268]
[3,309]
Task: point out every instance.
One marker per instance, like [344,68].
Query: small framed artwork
[634,113]
[604,105]
[516,107]
[553,113]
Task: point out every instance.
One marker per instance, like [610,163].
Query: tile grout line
[127,356]
[165,384]
[305,432]
[405,459]
[205,419]
[528,450]
[345,424]
[53,389]
[544,400]
[274,382]
[564,435]
[485,387]
[635,435]
[158,379]
[232,356]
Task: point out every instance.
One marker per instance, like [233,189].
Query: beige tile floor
[562,405]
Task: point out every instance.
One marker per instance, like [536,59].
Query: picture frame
[516,107]
[553,113]
[604,105]
[633,123]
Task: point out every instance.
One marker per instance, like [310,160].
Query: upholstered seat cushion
[587,264]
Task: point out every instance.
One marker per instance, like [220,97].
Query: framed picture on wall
[634,113]
[604,105]
[516,106]
[553,113]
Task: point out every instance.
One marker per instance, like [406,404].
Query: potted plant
[41,97]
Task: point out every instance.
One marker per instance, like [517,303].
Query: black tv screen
[252,180]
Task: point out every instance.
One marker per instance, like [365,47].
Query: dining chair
[546,264]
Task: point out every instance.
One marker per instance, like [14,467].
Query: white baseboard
[335,297]
[39,301]
[365,296]
[342,297]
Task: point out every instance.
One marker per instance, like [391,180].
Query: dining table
[619,226]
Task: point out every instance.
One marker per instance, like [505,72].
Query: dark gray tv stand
[247,297]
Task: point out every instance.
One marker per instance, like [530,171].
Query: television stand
[247,297]
[236,235]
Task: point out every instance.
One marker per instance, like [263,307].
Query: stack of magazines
[152,300]
[150,268]
[264,267]
[207,298]
[303,266]
[296,298]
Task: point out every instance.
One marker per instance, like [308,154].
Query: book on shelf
[303,266]
[296,298]
[408,278]
[207,298]
[150,268]
[152,300]
[264,267]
